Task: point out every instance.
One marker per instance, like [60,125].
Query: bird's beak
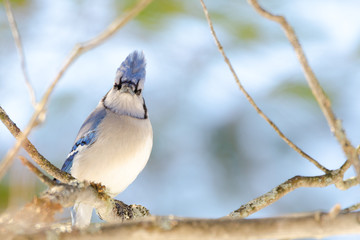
[127,88]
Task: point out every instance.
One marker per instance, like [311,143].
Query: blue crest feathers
[132,69]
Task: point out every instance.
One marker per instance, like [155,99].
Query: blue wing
[86,140]
[86,136]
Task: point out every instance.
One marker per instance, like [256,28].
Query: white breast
[120,152]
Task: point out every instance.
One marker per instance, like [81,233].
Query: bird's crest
[132,69]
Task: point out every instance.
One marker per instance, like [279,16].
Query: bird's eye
[117,86]
[138,92]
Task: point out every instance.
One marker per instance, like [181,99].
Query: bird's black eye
[138,92]
[117,86]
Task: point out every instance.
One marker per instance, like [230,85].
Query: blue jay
[115,141]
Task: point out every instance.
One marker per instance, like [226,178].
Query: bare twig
[351,208]
[288,186]
[334,211]
[76,52]
[319,94]
[348,183]
[114,26]
[333,177]
[45,179]
[330,177]
[33,152]
[19,46]
[251,100]
[278,192]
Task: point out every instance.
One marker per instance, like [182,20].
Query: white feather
[121,151]
[125,103]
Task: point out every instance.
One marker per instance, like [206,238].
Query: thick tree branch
[75,53]
[319,94]
[314,225]
[251,100]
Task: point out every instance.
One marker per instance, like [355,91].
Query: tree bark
[312,225]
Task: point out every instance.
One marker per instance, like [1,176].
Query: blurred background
[212,152]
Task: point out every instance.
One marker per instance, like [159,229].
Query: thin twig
[19,46]
[351,208]
[280,191]
[319,94]
[333,177]
[76,52]
[347,183]
[334,211]
[115,26]
[33,152]
[251,100]
[37,172]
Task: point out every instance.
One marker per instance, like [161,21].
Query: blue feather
[68,163]
[87,140]
[132,69]
[92,122]
[86,136]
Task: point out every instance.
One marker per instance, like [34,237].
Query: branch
[333,177]
[319,94]
[251,100]
[18,44]
[76,52]
[114,27]
[110,210]
[314,225]
[33,152]
[280,191]
[351,208]
[37,172]
[330,177]
[65,195]
[40,213]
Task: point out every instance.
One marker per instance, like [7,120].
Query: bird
[115,141]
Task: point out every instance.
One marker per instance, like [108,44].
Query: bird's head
[130,76]
[126,96]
